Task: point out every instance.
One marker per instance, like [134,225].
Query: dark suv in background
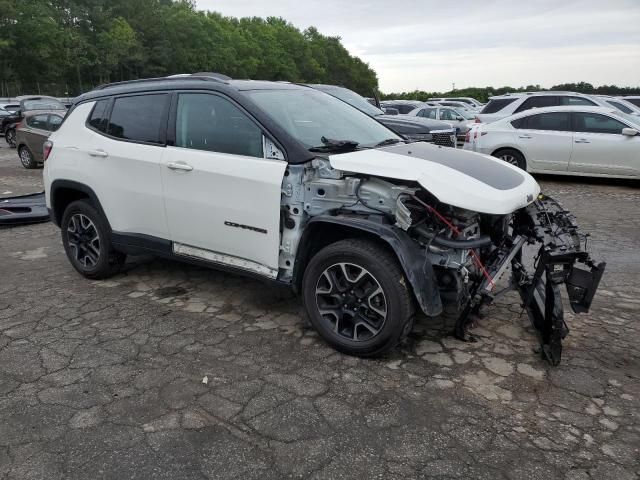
[411,128]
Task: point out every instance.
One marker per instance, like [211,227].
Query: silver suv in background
[471,103]
[511,103]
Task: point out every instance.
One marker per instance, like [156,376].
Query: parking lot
[104,379]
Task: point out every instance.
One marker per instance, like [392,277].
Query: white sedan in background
[589,141]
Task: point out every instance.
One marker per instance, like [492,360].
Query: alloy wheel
[83,240]
[25,157]
[352,301]
[510,159]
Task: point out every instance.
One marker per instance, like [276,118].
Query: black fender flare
[416,265]
[56,185]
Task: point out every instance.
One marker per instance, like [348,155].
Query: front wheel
[10,137]
[357,297]
[87,242]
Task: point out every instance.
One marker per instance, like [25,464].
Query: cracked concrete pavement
[104,379]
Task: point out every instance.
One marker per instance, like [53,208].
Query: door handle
[524,136]
[98,153]
[582,140]
[179,166]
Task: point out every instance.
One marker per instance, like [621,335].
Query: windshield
[352,98]
[43,104]
[310,116]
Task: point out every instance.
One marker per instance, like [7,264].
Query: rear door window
[496,105]
[555,121]
[38,121]
[139,118]
[635,101]
[213,123]
[595,123]
[539,101]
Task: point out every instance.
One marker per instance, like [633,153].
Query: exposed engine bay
[450,255]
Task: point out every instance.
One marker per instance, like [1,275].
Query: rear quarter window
[98,118]
[496,105]
[139,118]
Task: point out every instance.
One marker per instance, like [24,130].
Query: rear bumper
[23,209]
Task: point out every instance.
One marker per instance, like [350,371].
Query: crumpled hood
[468,180]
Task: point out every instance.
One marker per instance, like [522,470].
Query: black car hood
[404,125]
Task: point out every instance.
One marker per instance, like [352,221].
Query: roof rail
[210,76]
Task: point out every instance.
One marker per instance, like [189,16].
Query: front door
[222,197]
[600,148]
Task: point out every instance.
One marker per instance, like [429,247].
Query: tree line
[65,47]
[482,94]
[84,43]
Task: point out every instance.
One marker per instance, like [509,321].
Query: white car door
[222,196]
[545,139]
[119,157]
[600,148]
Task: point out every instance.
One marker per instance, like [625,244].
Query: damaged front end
[450,255]
[544,249]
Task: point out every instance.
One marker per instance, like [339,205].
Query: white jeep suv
[291,185]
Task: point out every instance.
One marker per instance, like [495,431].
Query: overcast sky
[429,45]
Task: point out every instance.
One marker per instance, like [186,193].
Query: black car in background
[28,103]
[413,129]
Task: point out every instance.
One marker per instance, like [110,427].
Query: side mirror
[630,132]
[391,111]
[459,118]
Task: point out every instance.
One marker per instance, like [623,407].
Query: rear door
[34,133]
[545,139]
[600,148]
[222,195]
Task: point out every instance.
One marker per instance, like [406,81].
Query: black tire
[26,158]
[87,241]
[345,328]
[514,157]
[10,137]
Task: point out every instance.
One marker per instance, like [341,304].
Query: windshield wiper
[388,141]
[331,144]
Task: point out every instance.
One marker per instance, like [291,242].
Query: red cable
[453,228]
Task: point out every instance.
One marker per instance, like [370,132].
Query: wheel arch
[324,230]
[63,192]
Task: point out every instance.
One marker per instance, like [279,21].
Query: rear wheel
[87,242]
[10,137]
[357,297]
[26,158]
[513,157]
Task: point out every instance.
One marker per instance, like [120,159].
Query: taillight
[467,137]
[46,149]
